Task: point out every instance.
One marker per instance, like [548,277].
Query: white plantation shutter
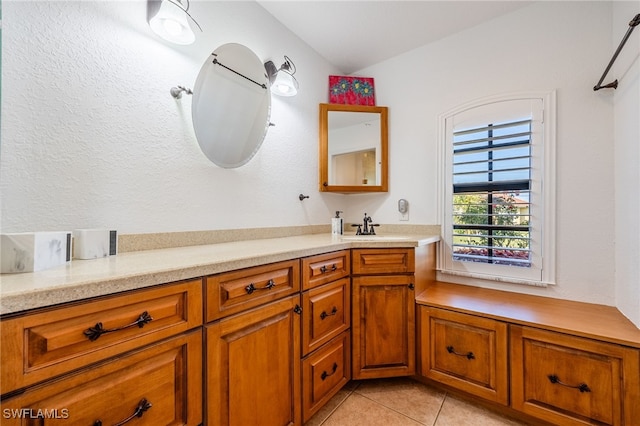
[491,193]
[497,220]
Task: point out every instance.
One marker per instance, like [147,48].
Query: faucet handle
[359,230]
[372,226]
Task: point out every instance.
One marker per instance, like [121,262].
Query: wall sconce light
[283,83]
[170,21]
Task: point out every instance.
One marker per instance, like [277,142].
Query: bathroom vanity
[267,331]
[249,338]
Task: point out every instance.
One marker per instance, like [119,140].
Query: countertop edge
[84,279]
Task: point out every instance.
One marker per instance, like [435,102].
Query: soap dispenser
[337,224]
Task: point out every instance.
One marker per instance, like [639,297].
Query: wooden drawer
[162,382]
[324,268]
[326,312]
[236,291]
[466,352]
[570,380]
[40,346]
[383,261]
[324,373]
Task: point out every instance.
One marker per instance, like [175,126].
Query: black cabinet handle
[582,387]
[412,286]
[94,333]
[142,408]
[324,374]
[324,268]
[324,314]
[268,286]
[468,355]
[297,309]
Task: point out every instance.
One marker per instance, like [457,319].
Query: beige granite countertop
[81,279]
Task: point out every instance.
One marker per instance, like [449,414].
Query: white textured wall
[544,46]
[92,138]
[626,102]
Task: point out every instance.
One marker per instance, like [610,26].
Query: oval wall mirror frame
[231,105]
[353,148]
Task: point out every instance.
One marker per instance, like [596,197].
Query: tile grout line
[396,411]
[337,406]
[435,421]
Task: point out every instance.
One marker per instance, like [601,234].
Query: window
[497,202]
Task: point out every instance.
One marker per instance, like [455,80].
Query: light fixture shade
[171,23]
[285,84]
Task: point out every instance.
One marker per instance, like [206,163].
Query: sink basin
[373,238]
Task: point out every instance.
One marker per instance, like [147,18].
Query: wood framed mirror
[353,148]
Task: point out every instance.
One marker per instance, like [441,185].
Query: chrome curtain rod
[634,22]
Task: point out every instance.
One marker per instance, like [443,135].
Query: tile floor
[402,402]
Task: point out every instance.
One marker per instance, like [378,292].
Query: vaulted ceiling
[355,34]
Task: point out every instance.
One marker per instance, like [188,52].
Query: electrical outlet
[404,216]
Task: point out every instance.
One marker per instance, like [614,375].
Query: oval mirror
[231,105]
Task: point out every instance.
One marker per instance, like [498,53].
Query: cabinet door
[383,326]
[253,367]
[158,385]
[464,351]
[568,380]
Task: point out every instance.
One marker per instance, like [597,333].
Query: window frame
[542,272]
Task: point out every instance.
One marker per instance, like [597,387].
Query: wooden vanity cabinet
[253,366]
[383,313]
[568,380]
[106,360]
[40,346]
[158,385]
[466,352]
[326,334]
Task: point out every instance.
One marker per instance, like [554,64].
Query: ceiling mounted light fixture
[170,21]
[283,83]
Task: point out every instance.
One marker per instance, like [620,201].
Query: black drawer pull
[324,374]
[324,314]
[142,407]
[268,286]
[94,333]
[324,268]
[468,355]
[582,387]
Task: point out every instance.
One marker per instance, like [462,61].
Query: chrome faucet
[367,228]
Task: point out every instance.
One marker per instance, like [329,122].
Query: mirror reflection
[353,148]
[231,105]
[354,145]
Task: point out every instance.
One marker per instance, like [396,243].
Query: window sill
[470,278]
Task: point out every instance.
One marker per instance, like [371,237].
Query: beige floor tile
[330,406]
[457,412]
[357,410]
[413,399]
